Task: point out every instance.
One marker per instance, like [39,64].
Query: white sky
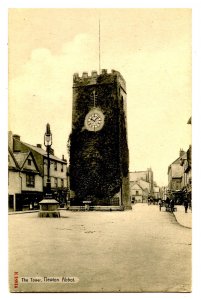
[150,47]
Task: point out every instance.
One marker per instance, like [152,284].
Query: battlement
[95,78]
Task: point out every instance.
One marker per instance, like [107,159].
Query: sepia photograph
[100,150]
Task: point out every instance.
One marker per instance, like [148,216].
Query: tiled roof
[177,161]
[21,157]
[43,152]
[12,164]
[144,184]
[134,183]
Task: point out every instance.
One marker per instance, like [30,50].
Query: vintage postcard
[99,150]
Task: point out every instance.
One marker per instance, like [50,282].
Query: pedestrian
[172,205]
[167,202]
[160,203]
[186,205]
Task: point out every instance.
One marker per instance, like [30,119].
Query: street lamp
[48,144]
[48,206]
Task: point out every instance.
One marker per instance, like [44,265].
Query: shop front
[25,201]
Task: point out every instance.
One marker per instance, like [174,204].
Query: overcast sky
[151,48]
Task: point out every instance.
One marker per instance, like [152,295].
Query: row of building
[27,175]
[179,185]
[142,186]
[180,176]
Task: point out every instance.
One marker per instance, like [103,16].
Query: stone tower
[99,158]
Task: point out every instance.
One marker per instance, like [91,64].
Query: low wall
[96,208]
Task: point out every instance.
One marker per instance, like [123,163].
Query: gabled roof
[143,183]
[12,163]
[134,183]
[21,158]
[178,160]
[43,152]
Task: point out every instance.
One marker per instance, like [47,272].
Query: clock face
[94,120]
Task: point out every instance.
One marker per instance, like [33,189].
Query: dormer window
[29,162]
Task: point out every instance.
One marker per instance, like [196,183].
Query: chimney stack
[16,143]
[17,137]
[181,152]
[63,158]
[10,140]
[51,151]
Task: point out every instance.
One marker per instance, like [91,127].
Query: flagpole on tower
[99,46]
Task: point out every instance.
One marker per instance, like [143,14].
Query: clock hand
[94,119]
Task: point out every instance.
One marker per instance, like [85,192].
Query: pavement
[22,212]
[184,219]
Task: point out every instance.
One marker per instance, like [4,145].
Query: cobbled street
[143,250]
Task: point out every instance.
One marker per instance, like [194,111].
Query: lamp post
[48,206]
[48,144]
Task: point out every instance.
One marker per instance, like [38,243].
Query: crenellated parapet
[95,78]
